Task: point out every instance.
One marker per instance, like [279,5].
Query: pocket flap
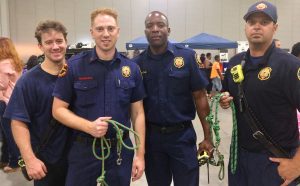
[178,74]
[85,85]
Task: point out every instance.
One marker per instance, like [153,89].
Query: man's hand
[138,168]
[225,100]
[98,128]
[206,145]
[288,169]
[35,168]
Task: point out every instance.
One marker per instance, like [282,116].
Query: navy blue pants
[171,156]
[84,168]
[255,169]
[56,175]
[13,150]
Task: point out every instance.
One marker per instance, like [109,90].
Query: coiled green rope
[234,141]
[213,121]
[105,146]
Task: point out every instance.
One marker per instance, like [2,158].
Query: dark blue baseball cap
[264,7]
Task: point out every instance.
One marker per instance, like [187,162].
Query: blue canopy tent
[208,41]
[140,43]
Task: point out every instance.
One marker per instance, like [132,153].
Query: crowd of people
[51,114]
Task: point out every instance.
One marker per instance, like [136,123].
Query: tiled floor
[16,179]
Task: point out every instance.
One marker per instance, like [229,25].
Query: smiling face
[54,46]
[105,32]
[260,29]
[157,29]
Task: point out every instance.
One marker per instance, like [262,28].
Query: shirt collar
[94,57]
[266,56]
[170,48]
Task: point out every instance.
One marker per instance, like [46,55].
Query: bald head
[157,31]
[156,14]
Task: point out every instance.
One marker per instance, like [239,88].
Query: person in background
[32,61]
[30,109]
[216,76]
[296,50]
[136,52]
[208,65]
[271,95]
[98,85]
[175,87]
[277,43]
[10,70]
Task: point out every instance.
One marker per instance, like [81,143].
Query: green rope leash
[234,141]
[214,129]
[213,121]
[106,146]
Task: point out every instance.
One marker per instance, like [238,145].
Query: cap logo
[261,6]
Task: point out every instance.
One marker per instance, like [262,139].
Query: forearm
[219,73]
[69,119]
[21,136]
[202,108]
[138,121]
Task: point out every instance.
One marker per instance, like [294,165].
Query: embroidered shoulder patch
[63,71]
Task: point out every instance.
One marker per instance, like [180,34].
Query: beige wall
[186,17]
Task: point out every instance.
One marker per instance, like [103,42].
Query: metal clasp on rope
[105,145]
[217,159]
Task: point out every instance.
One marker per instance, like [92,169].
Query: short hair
[296,49]
[8,51]
[160,13]
[104,11]
[46,26]
[217,57]
[208,54]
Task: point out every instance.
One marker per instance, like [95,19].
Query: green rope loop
[234,141]
[213,121]
[105,146]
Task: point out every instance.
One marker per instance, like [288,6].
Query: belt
[89,141]
[171,128]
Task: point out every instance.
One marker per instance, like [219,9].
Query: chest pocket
[125,89]
[179,82]
[85,92]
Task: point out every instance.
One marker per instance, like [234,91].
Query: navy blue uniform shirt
[272,89]
[169,81]
[94,88]
[31,103]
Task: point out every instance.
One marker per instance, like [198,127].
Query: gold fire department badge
[126,71]
[264,73]
[298,73]
[178,62]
